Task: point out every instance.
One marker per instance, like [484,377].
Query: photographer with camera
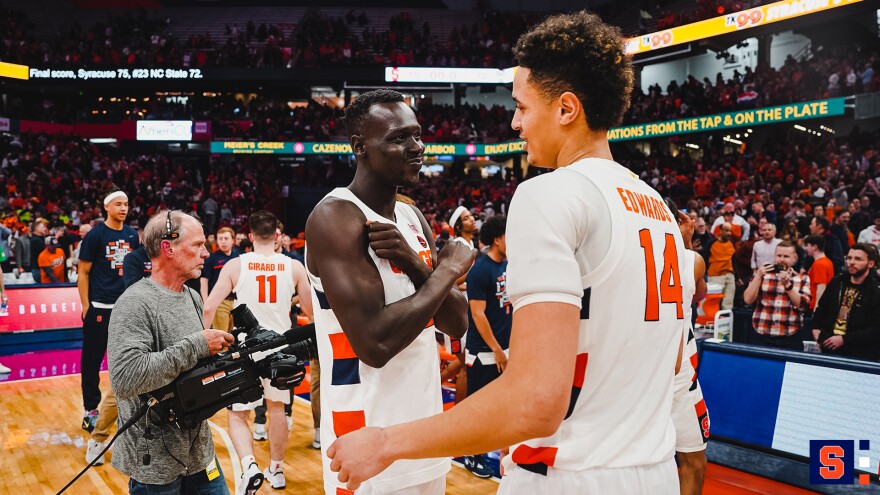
[781,296]
[156,333]
[266,282]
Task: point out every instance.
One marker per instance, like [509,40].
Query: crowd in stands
[804,188]
[828,74]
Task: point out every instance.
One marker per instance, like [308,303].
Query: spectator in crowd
[211,272]
[38,245]
[840,230]
[720,272]
[702,237]
[781,296]
[821,271]
[871,235]
[51,262]
[764,251]
[820,226]
[740,227]
[848,313]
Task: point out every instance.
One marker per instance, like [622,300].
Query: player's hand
[358,456]
[686,225]
[389,244]
[457,256]
[500,360]
[217,340]
[834,342]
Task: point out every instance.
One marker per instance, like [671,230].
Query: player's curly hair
[577,52]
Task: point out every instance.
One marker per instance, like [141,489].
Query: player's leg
[691,471]
[240,434]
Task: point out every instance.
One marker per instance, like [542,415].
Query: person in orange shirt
[720,271]
[51,262]
[821,272]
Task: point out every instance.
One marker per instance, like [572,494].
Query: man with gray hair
[156,333]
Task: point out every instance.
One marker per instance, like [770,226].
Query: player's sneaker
[476,464]
[276,480]
[90,419]
[250,481]
[93,451]
[316,442]
[259,431]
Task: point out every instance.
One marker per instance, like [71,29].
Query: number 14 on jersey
[668,291]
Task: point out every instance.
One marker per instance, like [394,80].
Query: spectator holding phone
[780,295]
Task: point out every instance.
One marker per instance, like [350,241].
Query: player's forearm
[399,323]
[451,318]
[82,285]
[485,330]
[467,425]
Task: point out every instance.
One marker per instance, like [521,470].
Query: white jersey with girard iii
[265,284]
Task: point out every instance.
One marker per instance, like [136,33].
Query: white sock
[275,466]
[247,460]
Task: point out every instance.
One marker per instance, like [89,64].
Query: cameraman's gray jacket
[153,337]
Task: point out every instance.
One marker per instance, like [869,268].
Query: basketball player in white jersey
[266,282]
[594,278]
[689,412]
[380,292]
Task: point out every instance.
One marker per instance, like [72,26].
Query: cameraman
[156,334]
[782,296]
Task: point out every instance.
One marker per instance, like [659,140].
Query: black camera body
[234,377]
[777,268]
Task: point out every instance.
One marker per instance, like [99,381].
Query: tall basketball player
[381,289]
[594,279]
[266,282]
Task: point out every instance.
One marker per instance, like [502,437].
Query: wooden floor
[42,446]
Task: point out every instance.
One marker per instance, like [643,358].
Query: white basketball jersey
[407,388]
[632,311]
[265,284]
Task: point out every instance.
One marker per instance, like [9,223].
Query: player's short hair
[226,230]
[493,228]
[356,112]
[815,240]
[263,224]
[577,52]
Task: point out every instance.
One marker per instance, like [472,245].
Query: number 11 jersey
[265,284]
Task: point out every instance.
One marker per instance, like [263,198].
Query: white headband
[456,215]
[110,197]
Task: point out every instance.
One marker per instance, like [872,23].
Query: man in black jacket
[848,314]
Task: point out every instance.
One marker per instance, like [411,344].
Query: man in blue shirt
[100,283]
[211,272]
[489,319]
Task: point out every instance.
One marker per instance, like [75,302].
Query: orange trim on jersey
[348,421]
[341,346]
[694,360]
[344,491]
[534,455]
[700,407]
[580,369]
[430,323]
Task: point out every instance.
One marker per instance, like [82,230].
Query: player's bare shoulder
[334,229]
